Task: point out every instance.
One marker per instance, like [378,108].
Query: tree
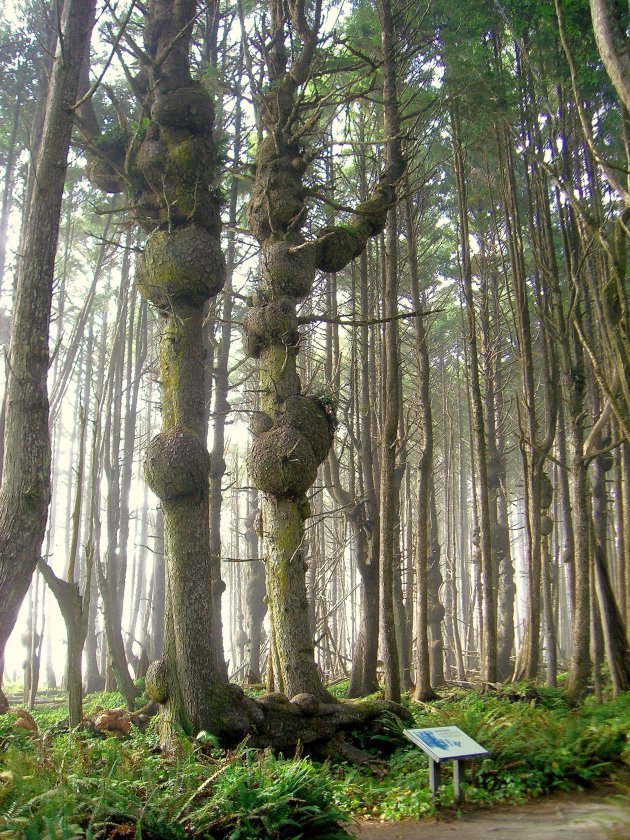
[294,430]
[25,492]
[612,43]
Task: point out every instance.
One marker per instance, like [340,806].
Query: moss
[191,154]
[273,700]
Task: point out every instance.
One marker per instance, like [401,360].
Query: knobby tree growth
[293,430]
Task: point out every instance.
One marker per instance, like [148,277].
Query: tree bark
[294,431]
[182,267]
[428,663]
[612,43]
[25,493]
[489,636]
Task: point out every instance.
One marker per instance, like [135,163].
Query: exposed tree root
[273,720]
[302,720]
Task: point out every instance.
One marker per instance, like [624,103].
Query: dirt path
[569,818]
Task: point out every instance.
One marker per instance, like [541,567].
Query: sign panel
[445,743]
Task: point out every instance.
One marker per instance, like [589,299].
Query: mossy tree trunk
[172,170]
[171,167]
[294,431]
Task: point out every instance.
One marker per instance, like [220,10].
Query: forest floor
[604,816]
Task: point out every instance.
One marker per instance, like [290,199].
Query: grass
[75,784]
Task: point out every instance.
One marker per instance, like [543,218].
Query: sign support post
[457,779]
[434,776]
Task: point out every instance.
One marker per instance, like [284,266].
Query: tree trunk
[625,502]
[254,595]
[489,636]
[614,631]
[25,492]
[388,498]
[181,268]
[5,208]
[612,43]
[294,431]
[428,663]
[221,390]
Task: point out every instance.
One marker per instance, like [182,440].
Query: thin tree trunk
[489,636]
[221,390]
[25,492]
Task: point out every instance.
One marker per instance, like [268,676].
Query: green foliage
[536,744]
[78,784]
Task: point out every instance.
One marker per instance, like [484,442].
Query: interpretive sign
[445,743]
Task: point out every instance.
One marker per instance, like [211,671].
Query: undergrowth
[76,784]
[537,745]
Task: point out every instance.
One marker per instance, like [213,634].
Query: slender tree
[25,492]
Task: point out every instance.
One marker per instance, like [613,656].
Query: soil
[574,816]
